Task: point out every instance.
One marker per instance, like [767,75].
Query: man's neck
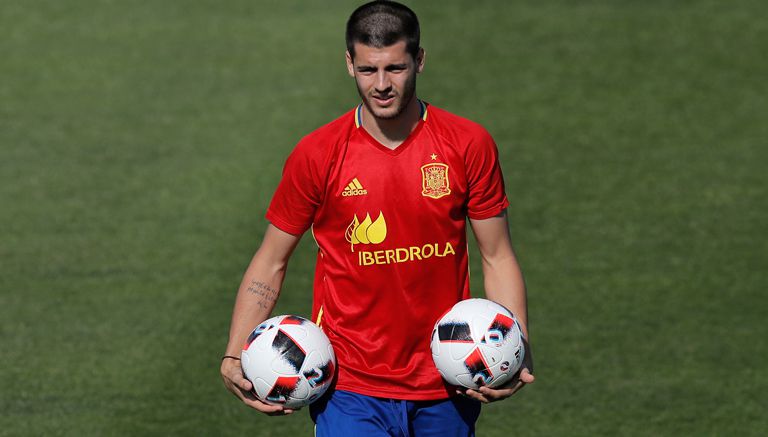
[393,132]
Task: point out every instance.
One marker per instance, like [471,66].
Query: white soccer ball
[476,343]
[289,360]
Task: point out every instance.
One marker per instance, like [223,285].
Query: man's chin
[388,113]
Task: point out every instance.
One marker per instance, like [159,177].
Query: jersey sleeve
[299,193]
[487,197]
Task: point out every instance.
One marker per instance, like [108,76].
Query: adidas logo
[354,189]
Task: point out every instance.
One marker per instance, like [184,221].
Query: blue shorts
[342,413]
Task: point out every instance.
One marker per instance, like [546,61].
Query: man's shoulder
[451,125]
[321,143]
[332,131]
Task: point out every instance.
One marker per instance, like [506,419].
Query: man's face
[385,77]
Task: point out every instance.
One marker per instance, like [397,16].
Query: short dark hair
[382,23]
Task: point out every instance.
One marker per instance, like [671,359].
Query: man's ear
[420,60]
[350,64]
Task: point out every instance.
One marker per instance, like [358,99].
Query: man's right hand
[235,381]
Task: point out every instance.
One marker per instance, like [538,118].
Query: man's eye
[397,69]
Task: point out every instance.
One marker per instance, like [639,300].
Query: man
[387,189]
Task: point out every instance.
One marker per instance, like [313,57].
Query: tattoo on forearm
[267,295]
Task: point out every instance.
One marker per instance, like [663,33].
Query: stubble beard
[408,92]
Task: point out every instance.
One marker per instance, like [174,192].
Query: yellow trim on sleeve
[319,317]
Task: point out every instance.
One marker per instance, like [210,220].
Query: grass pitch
[140,143]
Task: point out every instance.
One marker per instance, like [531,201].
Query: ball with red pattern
[476,343]
[289,360]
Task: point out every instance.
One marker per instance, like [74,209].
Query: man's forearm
[256,298]
[504,284]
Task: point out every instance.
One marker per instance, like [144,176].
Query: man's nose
[382,82]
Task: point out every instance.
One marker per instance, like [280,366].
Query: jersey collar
[359,113]
[402,147]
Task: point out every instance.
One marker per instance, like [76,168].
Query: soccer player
[387,189]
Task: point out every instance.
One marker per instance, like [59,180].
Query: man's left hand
[487,395]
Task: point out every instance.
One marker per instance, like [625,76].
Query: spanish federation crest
[434,180]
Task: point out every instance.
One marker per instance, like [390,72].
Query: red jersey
[391,230]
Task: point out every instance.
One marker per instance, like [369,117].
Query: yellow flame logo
[366,232]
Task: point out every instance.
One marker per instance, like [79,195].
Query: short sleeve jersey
[390,225]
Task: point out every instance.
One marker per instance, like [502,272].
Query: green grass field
[140,143]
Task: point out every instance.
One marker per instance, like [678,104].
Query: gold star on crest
[434,157]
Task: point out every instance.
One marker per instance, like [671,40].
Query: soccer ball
[476,343]
[289,360]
